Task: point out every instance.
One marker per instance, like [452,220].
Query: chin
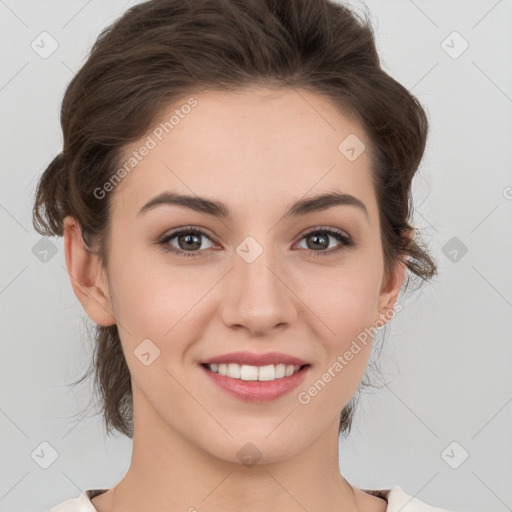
[255,453]
[257,443]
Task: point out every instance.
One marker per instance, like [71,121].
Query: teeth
[280,370]
[247,372]
[233,371]
[267,372]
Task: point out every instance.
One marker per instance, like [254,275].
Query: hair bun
[50,205]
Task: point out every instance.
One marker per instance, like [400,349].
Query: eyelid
[325,228]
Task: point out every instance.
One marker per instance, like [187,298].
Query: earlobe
[86,275]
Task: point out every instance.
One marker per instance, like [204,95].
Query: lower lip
[256,390]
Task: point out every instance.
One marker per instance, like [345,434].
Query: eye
[190,237]
[319,238]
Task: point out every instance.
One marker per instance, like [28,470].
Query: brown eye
[188,242]
[319,239]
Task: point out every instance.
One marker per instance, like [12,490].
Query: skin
[258,151]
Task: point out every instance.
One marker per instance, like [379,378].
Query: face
[262,285]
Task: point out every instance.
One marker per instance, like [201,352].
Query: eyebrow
[311,204]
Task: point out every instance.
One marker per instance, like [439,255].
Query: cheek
[143,291]
[153,303]
[346,348]
[345,303]
[345,299]
[159,303]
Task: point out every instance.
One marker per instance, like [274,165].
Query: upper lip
[254,359]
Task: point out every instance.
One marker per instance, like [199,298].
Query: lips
[256,377]
[254,359]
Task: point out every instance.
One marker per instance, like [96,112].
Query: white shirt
[398,501]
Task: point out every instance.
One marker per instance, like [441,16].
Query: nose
[257,296]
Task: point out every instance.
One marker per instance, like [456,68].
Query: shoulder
[399,501]
[80,504]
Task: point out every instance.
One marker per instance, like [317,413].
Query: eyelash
[346,241]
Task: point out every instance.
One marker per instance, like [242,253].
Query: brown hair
[161,50]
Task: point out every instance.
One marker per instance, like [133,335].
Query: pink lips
[256,391]
[254,359]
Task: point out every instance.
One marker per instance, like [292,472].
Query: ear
[390,289]
[87,276]
[389,292]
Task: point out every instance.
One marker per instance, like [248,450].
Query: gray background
[447,355]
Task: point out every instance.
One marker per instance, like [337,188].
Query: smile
[255,378]
[251,373]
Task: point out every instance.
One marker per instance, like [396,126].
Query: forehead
[248,147]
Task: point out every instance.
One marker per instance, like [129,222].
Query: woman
[233,193]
